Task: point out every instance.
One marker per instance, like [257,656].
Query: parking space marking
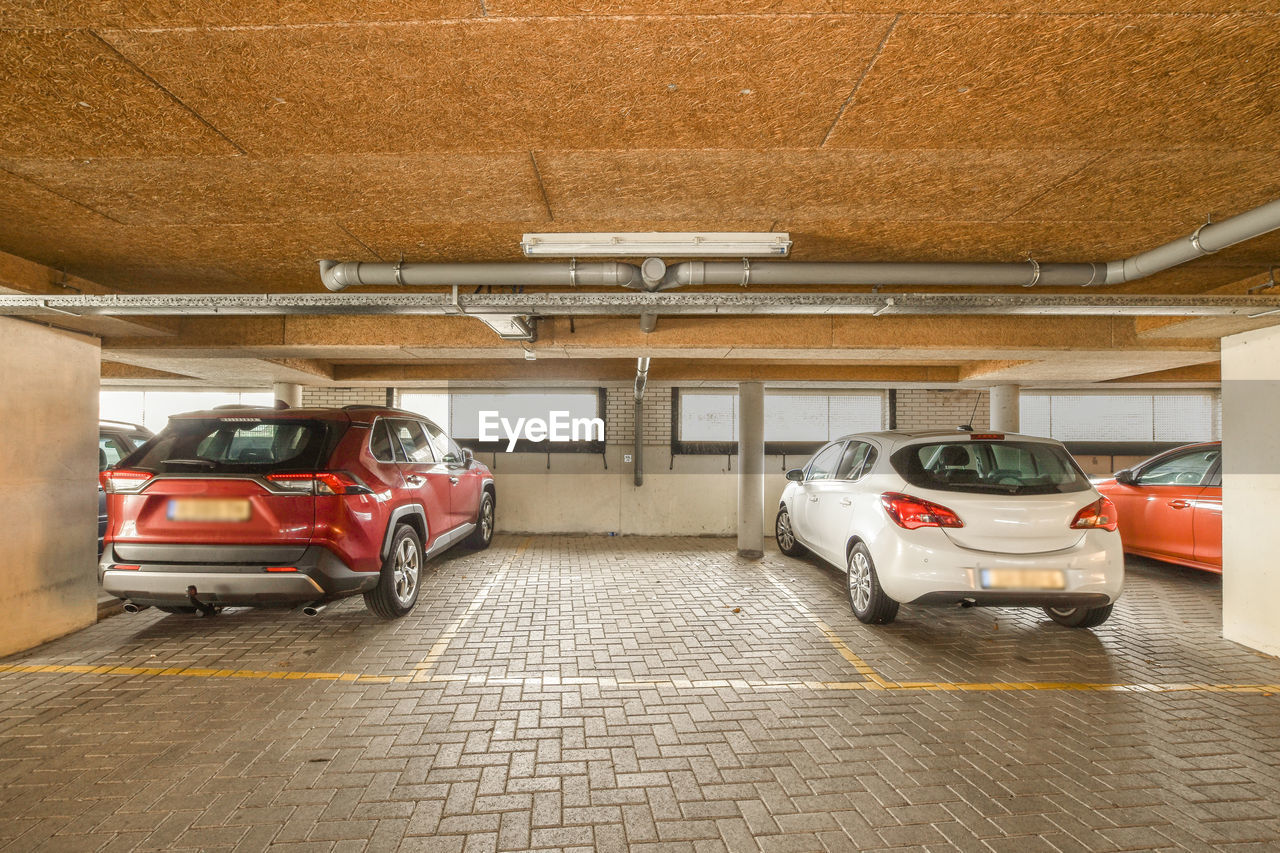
[441,645]
[873,679]
[552,682]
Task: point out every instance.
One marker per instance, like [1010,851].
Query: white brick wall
[336,397]
[620,415]
[925,408]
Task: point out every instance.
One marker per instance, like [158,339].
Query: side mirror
[1125,477]
[467,456]
[796,475]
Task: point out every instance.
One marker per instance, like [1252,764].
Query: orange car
[1170,507]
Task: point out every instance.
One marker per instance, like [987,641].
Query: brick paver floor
[651,694]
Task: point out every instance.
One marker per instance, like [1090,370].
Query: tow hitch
[205,609]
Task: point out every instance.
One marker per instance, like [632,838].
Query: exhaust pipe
[315,608]
[130,607]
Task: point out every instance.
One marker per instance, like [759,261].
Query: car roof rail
[366,406]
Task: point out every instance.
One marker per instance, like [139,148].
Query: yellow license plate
[1023,579]
[209,509]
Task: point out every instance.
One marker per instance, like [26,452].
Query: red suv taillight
[1099,515]
[116,480]
[913,513]
[320,483]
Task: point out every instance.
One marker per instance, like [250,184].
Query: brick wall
[924,408]
[329,397]
[620,415]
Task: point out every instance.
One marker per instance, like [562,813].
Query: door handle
[846,501]
[1179,504]
[453,480]
[813,498]
[415,480]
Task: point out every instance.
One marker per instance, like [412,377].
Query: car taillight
[119,567]
[913,513]
[116,480]
[320,483]
[1099,515]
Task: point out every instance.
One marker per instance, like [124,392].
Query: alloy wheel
[406,570]
[859,580]
[486,520]
[786,539]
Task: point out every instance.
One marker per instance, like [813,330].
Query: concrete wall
[1251,489]
[48,475]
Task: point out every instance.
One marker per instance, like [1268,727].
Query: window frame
[524,445]
[808,449]
[1206,478]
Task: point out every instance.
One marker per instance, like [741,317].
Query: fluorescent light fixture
[681,244]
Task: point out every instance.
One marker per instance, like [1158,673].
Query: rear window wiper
[207,463]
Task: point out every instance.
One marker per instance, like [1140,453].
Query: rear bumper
[1015,598]
[223,576]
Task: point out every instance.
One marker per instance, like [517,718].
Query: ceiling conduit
[1205,240]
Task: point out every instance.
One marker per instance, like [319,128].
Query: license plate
[208,509]
[1023,579]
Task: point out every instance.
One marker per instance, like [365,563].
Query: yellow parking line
[875,682]
[542,681]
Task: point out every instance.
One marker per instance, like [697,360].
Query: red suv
[286,507]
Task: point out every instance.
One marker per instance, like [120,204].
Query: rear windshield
[237,445]
[992,467]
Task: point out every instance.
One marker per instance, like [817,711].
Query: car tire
[1079,617]
[868,599]
[483,534]
[400,578]
[786,535]
[182,610]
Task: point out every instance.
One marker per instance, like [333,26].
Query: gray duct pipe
[637,449]
[654,275]
[339,276]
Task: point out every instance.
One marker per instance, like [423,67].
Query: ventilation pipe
[637,450]
[653,274]
[339,276]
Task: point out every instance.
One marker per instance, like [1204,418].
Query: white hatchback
[956,517]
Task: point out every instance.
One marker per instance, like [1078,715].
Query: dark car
[286,507]
[1170,506]
[116,440]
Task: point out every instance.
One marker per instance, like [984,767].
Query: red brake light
[986,436]
[320,483]
[1099,515]
[115,480]
[127,568]
[912,513]
[281,569]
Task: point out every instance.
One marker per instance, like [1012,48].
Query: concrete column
[1004,408]
[49,465]
[751,470]
[289,392]
[1251,488]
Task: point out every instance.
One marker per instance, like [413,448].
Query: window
[110,451]
[564,420]
[1181,469]
[793,421]
[824,464]
[990,467]
[1166,416]
[445,449]
[857,460]
[417,447]
[237,446]
[380,442]
[431,405]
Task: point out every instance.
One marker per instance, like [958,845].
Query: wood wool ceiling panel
[1104,81]
[500,84]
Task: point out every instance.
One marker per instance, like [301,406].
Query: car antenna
[969,426]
